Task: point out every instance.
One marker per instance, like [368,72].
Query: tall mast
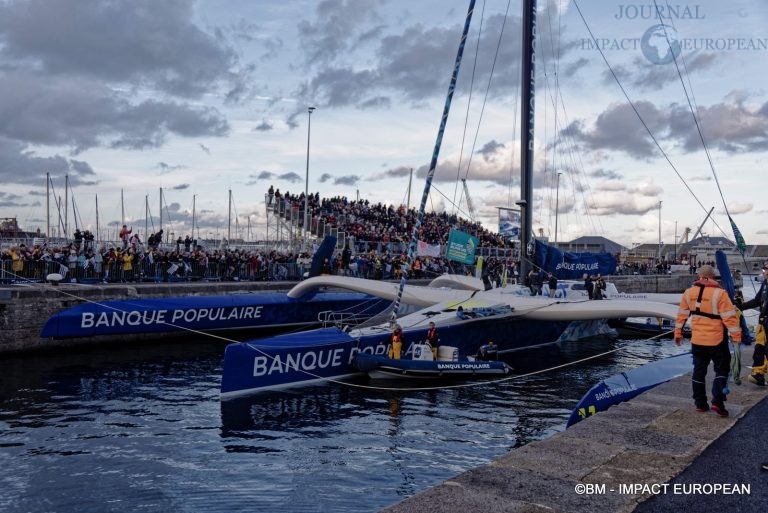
[97,219]
[47,205]
[74,212]
[66,206]
[161,212]
[122,208]
[526,131]
[193,216]
[410,181]
[229,218]
[146,217]
[435,155]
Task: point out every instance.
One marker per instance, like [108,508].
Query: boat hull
[380,367]
[328,354]
[205,313]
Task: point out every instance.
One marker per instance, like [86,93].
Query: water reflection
[145,426]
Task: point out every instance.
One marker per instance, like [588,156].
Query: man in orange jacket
[714,318]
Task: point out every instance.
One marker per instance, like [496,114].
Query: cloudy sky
[203,96]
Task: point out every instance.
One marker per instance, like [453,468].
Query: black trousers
[720,356]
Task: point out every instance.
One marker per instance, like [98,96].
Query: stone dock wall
[24,309]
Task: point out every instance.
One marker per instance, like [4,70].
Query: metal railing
[146,272]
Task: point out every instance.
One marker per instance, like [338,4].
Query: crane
[470,207]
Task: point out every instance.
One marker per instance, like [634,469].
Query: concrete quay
[602,463]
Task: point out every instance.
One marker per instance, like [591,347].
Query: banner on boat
[509,223]
[572,266]
[461,247]
[232,311]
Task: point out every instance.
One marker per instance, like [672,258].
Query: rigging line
[469,104]
[571,147]
[637,113]
[512,157]
[691,108]
[435,154]
[695,119]
[458,207]
[487,89]
[182,328]
[691,104]
[478,383]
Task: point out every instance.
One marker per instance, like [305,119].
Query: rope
[637,113]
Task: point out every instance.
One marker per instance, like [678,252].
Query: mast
[122,208]
[526,131]
[74,212]
[146,218]
[410,180]
[229,217]
[193,216]
[97,219]
[47,205]
[433,163]
[66,206]
[161,213]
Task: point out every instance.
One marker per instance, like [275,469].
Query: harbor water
[142,428]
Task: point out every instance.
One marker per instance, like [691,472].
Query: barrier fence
[25,271]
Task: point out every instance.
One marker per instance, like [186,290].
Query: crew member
[396,342]
[488,352]
[552,282]
[714,318]
[760,301]
[432,339]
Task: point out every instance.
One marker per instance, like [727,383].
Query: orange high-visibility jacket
[711,308]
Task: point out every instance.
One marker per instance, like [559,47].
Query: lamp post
[659,230]
[310,110]
[557,202]
[675,261]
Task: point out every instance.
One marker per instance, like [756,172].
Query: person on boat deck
[759,360]
[432,339]
[396,342]
[461,314]
[552,282]
[714,318]
[598,287]
[488,352]
[589,285]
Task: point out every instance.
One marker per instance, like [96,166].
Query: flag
[424,249]
[63,269]
[172,269]
[737,235]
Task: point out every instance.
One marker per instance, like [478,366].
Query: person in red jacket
[713,318]
[124,233]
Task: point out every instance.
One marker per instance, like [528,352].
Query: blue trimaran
[514,322]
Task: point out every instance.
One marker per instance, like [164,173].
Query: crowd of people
[377,238]
[370,223]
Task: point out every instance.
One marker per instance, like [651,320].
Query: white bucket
[422,352]
[447,354]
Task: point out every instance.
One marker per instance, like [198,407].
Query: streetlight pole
[306,184]
[557,202]
[675,241]
[659,230]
